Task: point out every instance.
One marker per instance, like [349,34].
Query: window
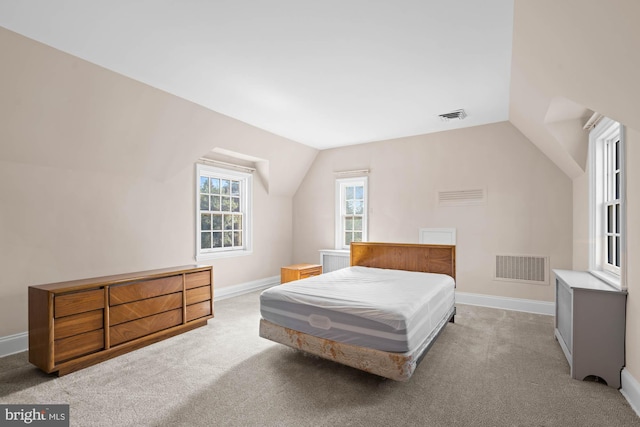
[611,205]
[606,151]
[351,211]
[223,212]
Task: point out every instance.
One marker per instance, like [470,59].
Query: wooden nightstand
[299,271]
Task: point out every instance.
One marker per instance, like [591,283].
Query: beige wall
[585,52]
[528,211]
[633,252]
[97,177]
[581,246]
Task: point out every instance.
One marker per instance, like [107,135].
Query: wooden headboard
[405,256]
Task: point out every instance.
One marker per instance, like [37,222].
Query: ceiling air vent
[457,114]
[462,197]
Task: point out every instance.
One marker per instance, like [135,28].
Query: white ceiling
[324,73]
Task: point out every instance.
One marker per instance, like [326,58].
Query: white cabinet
[590,325]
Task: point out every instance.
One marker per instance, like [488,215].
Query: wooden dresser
[299,271]
[79,323]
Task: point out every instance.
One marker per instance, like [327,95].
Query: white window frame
[601,159]
[246,202]
[341,185]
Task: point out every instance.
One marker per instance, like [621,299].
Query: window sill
[221,255]
[608,278]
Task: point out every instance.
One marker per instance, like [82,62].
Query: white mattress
[389,310]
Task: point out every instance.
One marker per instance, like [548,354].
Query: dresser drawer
[143,308]
[78,345]
[78,302]
[78,323]
[196,280]
[201,309]
[131,330]
[198,294]
[309,272]
[121,294]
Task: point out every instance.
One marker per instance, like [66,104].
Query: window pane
[350,219]
[217,222]
[348,193]
[617,251]
[215,203]
[617,218]
[348,223]
[610,249]
[205,222]
[237,222]
[217,240]
[204,202]
[237,238]
[225,185]
[226,204]
[235,204]
[235,188]
[617,184]
[349,207]
[617,149]
[609,219]
[215,186]
[228,222]
[228,239]
[205,240]
[204,184]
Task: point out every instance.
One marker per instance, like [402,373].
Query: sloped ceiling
[61,112]
[322,73]
[571,58]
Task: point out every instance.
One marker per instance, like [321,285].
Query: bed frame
[396,256]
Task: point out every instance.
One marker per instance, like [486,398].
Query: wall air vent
[522,268]
[462,197]
[457,114]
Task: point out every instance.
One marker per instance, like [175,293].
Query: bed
[381,315]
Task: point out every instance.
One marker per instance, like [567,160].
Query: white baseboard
[506,303]
[630,390]
[244,288]
[20,342]
[14,344]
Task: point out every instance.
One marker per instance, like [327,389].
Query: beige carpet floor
[490,368]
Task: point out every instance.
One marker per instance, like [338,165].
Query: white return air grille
[522,268]
[462,197]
